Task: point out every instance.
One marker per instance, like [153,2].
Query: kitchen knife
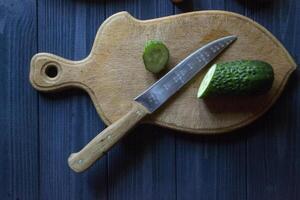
[148,101]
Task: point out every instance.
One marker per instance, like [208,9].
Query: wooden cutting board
[113,74]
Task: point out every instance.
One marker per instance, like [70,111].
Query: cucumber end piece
[203,89]
[155,56]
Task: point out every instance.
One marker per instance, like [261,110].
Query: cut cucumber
[244,77]
[156,56]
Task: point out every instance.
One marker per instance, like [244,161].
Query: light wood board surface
[113,74]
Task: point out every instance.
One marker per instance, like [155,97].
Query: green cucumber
[244,77]
[156,56]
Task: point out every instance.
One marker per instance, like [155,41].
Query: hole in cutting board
[51,71]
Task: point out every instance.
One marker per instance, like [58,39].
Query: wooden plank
[273,150]
[142,166]
[212,167]
[92,185]
[19,107]
[68,120]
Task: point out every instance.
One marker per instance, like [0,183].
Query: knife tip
[233,37]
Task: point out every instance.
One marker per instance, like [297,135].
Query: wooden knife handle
[106,139]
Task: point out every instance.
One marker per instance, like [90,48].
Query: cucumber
[155,56]
[244,77]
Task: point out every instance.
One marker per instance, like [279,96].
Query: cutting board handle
[50,72]
[106,139]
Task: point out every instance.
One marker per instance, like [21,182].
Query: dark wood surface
[38,131]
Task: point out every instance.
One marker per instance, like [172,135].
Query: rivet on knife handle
[96,148]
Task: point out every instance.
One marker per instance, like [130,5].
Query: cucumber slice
[156,56]
[245,77]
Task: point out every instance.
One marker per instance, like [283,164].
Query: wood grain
[18,102]
[108,74]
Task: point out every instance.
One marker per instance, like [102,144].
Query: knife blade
[169,84]
[147,102]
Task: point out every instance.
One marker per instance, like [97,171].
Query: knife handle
[96,148]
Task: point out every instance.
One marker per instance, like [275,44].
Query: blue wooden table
[39,131]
